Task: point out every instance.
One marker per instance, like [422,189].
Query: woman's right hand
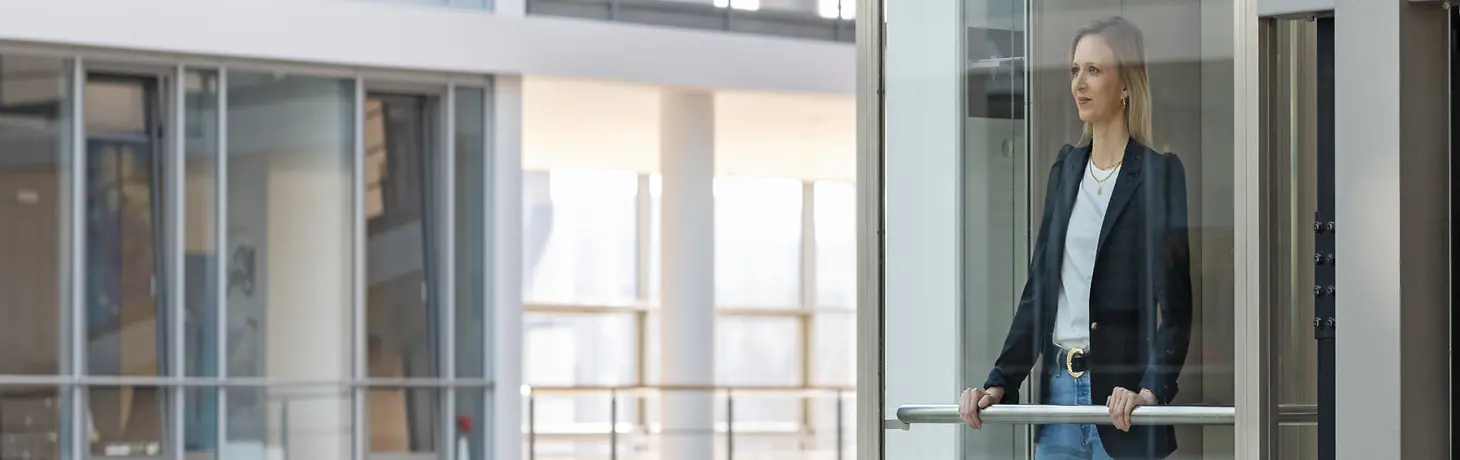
[975,399]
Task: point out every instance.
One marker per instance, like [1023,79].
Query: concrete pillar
[504,334]
[687,226]
[1391,163]
[289,188]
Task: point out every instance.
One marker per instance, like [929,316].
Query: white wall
[571,123]
[377,34]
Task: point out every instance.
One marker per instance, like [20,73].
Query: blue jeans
[1069,442]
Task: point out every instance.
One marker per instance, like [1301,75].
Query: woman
[1108,298]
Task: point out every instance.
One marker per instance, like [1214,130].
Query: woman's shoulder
[1065,152]
[1165,160]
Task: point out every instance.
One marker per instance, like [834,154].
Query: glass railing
[749,422]
[810,19]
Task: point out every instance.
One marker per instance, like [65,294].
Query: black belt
[1075,361]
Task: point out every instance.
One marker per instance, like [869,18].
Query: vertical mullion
[643,259]
[173,196]
[357,199]
[77,296]
[808,292]
[447,250]
[220,262]
[489,270]
[643,220]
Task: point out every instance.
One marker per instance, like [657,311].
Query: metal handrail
[1031,414]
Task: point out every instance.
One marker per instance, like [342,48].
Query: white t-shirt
[1072,321]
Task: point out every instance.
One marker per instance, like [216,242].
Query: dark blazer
[1140,294]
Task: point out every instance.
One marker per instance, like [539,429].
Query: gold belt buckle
[1070,362]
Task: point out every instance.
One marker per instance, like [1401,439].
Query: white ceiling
[569,123]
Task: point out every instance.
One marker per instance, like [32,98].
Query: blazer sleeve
[1021,348]
[1172,337]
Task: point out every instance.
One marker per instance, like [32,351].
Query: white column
[687,312]
[505,332]
[1391,212]
[288,208]
[921,318]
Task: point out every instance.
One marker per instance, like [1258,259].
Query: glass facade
[238,263]
[783,325]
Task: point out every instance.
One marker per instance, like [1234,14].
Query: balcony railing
[621,423]
[821,21]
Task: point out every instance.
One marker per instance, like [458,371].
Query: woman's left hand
[1122,402]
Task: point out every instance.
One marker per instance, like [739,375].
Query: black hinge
[1323,328]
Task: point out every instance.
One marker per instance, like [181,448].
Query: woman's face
[1095,82]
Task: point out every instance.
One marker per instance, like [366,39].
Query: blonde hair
[1125,40]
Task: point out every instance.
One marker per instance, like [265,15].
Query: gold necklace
[1100,187]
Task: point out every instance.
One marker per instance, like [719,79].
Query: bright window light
[829,8]
[750,5]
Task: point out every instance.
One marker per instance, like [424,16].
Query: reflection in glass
[578,236]
[289,238]
[30,420]
[34,105]
[125,308]
[200,255]
[403,419]
[757,242]
[272,423]
[471,422]
[471,232]
[128,421]
[403,224]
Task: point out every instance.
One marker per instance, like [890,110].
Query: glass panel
[757,350]
[834,356]
[272,423]
[34,103]
[403,419]
[1182,112]
[200,421]
[760,351]
[30,422]
[125,308]
[577,427]
[564,349]
[402,222]
[200,320]
[128,421]
[290,146]
[471,232]
[836,244]
[1116,239]
[578,231]
[200,210]
[471,422]
[757,242]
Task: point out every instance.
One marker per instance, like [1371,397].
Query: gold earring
[1123,101]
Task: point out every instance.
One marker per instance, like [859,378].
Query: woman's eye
[1093,71]
[1074,71]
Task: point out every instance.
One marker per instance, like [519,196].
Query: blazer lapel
[1125,188]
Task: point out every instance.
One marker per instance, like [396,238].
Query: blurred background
[464,229]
